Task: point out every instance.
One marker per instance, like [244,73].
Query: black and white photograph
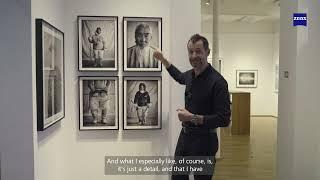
[98,43]
[247,78]
[141,37]
[142,103]
[49,74]
[98,103]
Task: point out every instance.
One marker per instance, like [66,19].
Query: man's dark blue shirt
[206,94]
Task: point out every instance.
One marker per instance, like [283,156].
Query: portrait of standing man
[98,47]
[98,43]
[142,36]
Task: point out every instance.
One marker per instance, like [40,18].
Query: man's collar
[204,73]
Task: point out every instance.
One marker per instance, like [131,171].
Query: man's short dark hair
[196,37]
[142,85]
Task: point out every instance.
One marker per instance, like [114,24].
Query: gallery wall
[88,148]
[80,154]
[298,126]
[50,146]
[185,21]
[298,100]
[275,71]
[251,51]
[246,46]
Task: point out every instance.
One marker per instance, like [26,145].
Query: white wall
[298,125]
[62,151]
[248,47]
[80,155]
[287,100]
[276,49]
[16,139]
[87,149]
[185,21]
[251,51]
[50,146]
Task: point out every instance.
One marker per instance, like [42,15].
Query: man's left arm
[221,113]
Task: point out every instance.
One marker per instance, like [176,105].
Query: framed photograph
[247,78]
[98,103]
[141,37]
[98,43]
[142,103]
[49,74]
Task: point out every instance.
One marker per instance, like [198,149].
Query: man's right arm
[174,72]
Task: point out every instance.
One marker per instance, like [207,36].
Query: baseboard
[264,116]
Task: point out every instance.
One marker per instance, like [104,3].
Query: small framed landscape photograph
[247,78]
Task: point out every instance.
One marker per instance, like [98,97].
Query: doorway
[247,33]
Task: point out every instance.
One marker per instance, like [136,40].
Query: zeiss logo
[299,19]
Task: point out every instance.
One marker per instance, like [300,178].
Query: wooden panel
[240,113]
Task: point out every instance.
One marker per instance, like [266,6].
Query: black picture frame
[90,55]
[246,78]
[49,74]
[98,102]
[130,44]
[153,118]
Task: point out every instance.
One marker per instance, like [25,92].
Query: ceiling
[247,11]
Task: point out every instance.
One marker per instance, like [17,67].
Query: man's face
[143,37]
[197,54]
[142,88]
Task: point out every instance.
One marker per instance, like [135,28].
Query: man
[98,98]
[141,54]
[207,104]
[142,103]
[98,46]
